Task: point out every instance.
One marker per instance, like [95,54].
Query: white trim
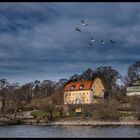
[133,93]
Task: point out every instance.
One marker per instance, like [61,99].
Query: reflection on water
[69,131]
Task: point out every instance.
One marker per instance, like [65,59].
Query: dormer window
[72,87]
[81,87]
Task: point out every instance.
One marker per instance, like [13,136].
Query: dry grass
[40,103]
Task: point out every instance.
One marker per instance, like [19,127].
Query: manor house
[83,92]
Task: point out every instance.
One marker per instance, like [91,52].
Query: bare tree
[87,74]
[109,77]
[133,73]
[75,77]
[3,83]
[47,88]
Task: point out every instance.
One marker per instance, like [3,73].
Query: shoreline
[87,123]
[94,123]
[74,123]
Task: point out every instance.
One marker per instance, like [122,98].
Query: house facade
[83,92]
[133,89]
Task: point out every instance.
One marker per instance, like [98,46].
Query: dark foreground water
[30,131]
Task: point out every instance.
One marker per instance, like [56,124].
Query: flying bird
[102,41]
[112,41]
[92,39]
[90,44]
[83,23]
[77,29]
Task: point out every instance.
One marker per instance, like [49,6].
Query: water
[30,131]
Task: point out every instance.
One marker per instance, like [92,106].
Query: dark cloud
[38,41]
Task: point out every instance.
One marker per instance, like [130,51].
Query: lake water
[30,131]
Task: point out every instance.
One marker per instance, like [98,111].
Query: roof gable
[80,85]
[137,83]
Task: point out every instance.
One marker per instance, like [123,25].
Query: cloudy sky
[38,41]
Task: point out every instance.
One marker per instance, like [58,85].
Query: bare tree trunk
[61,111]
[3,106]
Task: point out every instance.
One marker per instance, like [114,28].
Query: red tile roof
[87,85]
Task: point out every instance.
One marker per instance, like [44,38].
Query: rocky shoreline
[68,122]
[91,123]
[87,123]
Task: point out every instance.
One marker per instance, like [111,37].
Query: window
[65,95]
[81,87]
[72,87]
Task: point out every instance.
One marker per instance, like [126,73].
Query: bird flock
[92,40]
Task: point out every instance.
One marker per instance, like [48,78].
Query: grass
[125,113]
[56,114]
[95,115]
[39,113]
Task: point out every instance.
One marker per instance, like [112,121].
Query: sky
[38,41]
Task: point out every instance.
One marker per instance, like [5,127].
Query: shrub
[39,113]
[106,110]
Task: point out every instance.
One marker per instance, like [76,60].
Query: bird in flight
[77,29]
[90,44]
[83,23]
[102,41]
[92,39]
[112,41]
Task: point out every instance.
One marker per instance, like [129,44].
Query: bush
[106,110]
[39,113]
[38,104]
[106,115]
[137,115]
[19,122]
[135,104]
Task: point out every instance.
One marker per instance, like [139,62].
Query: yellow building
[83,92]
